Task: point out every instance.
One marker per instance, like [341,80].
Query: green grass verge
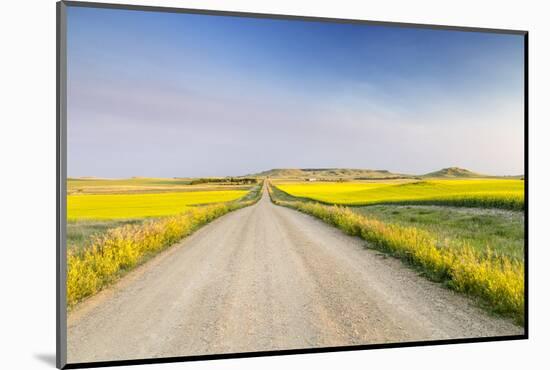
[501,231]
[80,233]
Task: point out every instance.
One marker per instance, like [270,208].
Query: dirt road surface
[268,278]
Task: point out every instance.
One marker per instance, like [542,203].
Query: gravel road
[267,278]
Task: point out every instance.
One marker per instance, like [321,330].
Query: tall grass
[110,255]
[497,281]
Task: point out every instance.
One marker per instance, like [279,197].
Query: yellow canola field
[131,206]
[498,193]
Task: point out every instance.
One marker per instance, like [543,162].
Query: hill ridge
[330,173]
[453,172]
[327,172]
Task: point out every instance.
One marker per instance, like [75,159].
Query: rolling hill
[328,173]
[454,172]
[347,174]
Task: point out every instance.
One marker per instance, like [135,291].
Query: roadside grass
[254,194]
[118,250]
[501,231]
[109,253]
[484,193]
[496,280]
[80,233]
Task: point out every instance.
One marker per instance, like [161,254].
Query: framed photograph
[235,185]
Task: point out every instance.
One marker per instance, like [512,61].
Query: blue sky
[161,94]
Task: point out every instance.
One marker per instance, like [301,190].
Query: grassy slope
[453,172]
[502,231]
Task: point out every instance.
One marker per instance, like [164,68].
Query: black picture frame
[61,189]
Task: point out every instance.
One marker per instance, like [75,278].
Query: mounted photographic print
[234,184]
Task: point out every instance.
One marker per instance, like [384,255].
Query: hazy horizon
[180,95]
[298,168]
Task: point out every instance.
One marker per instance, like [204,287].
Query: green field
[131,206]
[501,231]
[134,181]
[491,193]
[147,185]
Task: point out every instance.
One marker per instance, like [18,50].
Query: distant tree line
[388,178]
[225,180]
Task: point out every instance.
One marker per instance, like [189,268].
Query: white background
[27,173]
